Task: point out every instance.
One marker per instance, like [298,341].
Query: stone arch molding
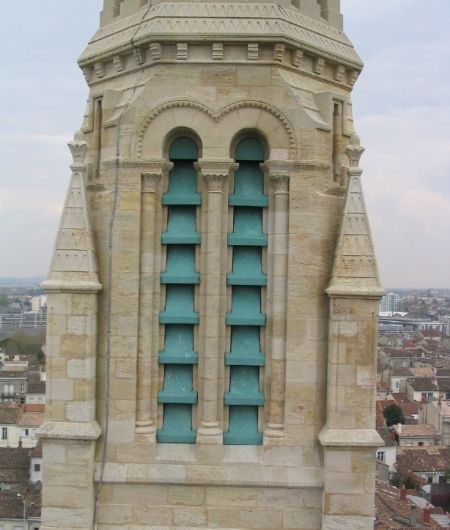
[191,114]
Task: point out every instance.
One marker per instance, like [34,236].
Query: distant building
[389,302]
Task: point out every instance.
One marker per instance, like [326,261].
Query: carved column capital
[215,173]
[78,149]
[354,151]
[153,171]
[279,174]
[150,182]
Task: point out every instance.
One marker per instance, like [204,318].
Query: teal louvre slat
[244,399]
[248,186]
[236,279]
[250,149]
[248,221]
[180,266]
[181,226]
[245,346]
[179,346]
[243,240]
[190,357]
[168,397]
[182,185]
[238,320]
[177,424]
[179,306]
[174,317]
[243,427]
[177,385]
[247,267]
[178,380]
[252,359]
[183,148]
[175,279]
[244,386]
[246,307]
[193,199]
[255,202]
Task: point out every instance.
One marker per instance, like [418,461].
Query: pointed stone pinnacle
[74,264]
[355,269]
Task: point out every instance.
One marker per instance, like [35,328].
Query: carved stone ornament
[280,183]
[154,171]
[150,182]
[278,172]
[79,149]
[354,150]
[215,173]
[215,182]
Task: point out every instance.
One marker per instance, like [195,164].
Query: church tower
[213,295]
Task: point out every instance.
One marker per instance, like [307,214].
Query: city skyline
[401,113]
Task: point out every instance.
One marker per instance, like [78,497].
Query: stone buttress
[70,430]
[226,344]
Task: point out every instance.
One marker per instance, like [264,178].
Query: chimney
[402,493]
[427,514]
[412,516]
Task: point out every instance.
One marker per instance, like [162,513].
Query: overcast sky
[401,109]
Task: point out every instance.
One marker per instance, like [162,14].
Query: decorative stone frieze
[155,51]
[278,52]
[139,54]
[182,51]
[217,51]
[339,73]
[119,62]
[253,51]
[100,69]
[296,57]
[319,65]
[87,73]
[352,77]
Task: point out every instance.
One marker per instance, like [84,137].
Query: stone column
[279,174]
[148,307]
[215,174]
[349,437]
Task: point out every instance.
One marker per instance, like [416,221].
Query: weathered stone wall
[315,466]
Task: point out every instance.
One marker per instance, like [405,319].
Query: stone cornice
[286,35]
[146,165]
[75,286]
[55,430]
[350,438]
[220,21]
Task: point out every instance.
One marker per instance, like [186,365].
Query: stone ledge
[74,286]
[347,291]
[350,438]
[210,475]
[55,430]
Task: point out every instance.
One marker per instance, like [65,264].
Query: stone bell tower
[213,295]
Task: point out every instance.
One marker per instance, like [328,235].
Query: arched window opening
[247,281]
[180,277]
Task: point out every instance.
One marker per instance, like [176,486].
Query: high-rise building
[389,302]
[213,295]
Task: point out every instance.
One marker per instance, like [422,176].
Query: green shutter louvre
[179,315]
[247,278]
